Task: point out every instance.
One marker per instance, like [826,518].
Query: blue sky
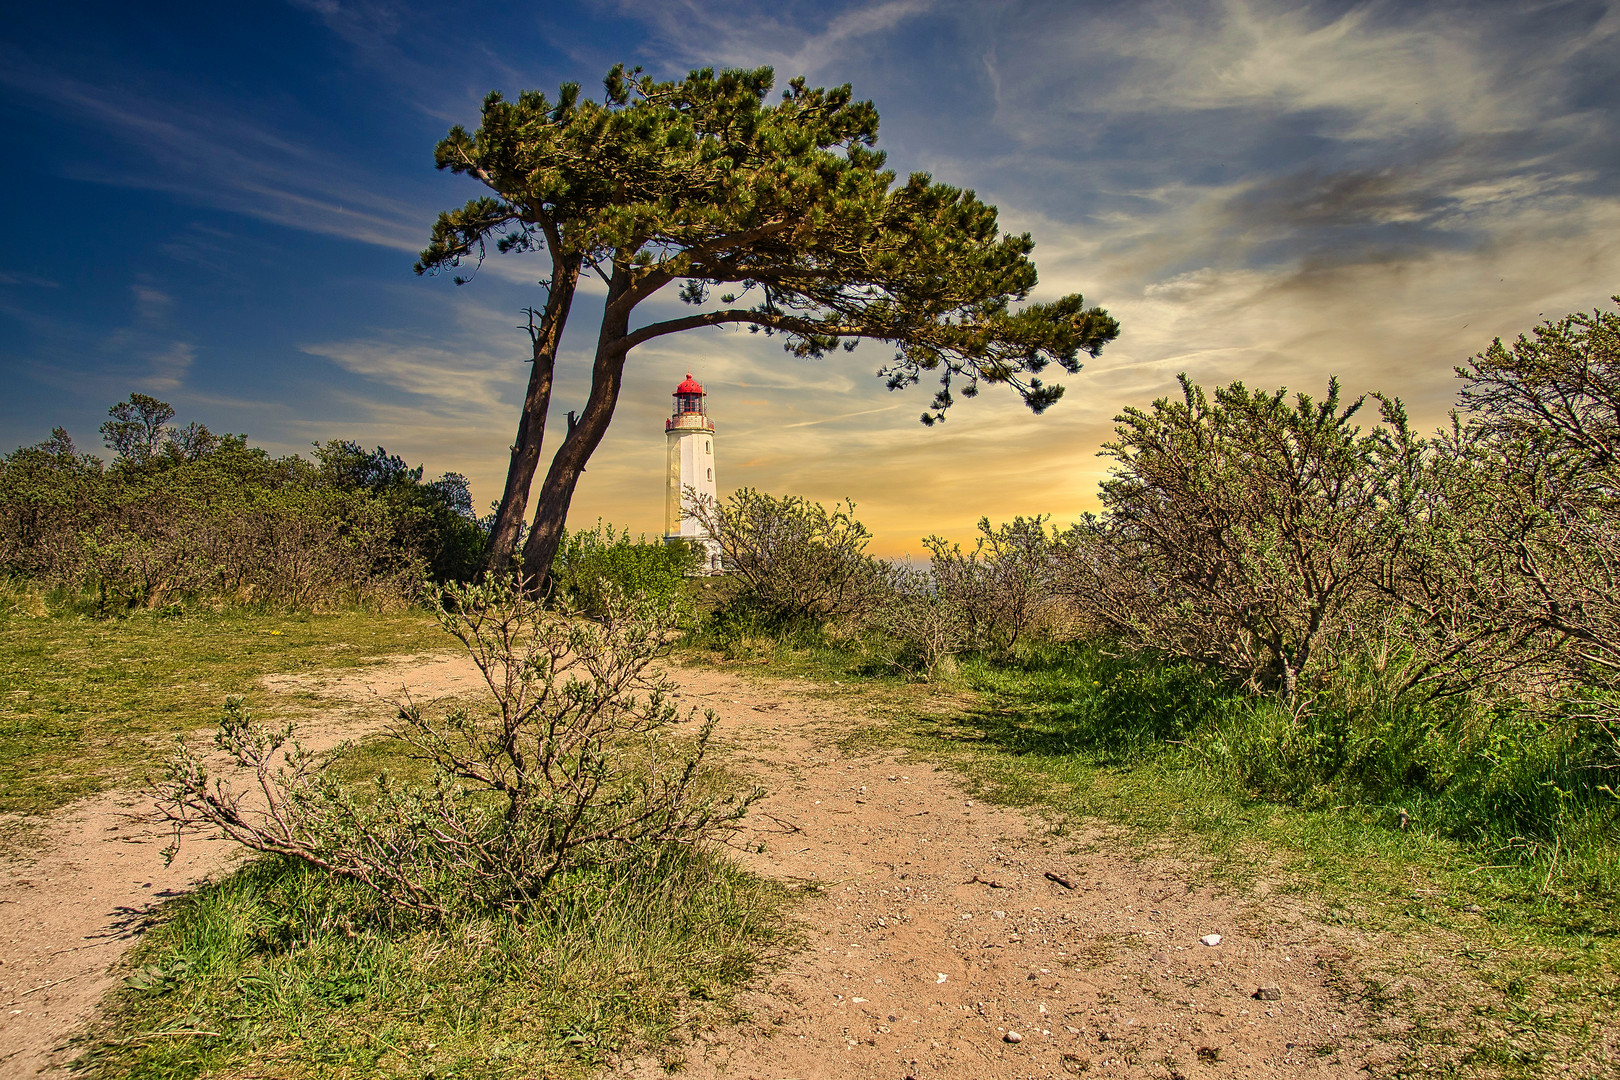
[220,205]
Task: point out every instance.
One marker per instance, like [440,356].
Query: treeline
[184,514]
[1358,610]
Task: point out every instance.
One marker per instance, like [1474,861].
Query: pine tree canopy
[779,216]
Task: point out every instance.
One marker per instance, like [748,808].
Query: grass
[280,971]
[1517,937]
[86,703]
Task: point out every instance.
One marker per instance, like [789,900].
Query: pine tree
[779,216]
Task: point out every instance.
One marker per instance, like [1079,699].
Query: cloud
[444,381]
[216,157]
[795,39]
[169,367]
[151,305]
[1362,72]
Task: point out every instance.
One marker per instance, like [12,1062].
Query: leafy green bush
[184,514]
[1242,533]
[594,565]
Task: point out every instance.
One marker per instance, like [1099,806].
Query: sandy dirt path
[939,944]
[93,875]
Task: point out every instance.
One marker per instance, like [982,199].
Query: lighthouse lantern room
[689,442]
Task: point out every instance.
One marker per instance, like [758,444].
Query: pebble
[1267,993]
[1210,939]
[1012,1037]
[1471,909]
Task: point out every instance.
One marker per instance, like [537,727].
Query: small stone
[1267,993]
[1210,939]
[1471,909]
[1012,1037]
[939,977]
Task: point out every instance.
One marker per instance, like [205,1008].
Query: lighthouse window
[706,449]
[711,474]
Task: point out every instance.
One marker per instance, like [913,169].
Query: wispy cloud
[215,156]
[151,305]
[794,38]
[169,367]
[445,381]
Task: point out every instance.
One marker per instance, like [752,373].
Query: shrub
[1241,533]
[593,566]
[918,629]
[570,766]
[185,513]
[797,560]
[1542,437]
[1003,588]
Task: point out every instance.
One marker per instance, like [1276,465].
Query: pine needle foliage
[779,216]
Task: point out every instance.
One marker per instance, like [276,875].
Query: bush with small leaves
[918,630]
[797,559]
[594,564]
[572,764]
[1004,586]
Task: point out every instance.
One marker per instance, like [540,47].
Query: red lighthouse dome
[689,411]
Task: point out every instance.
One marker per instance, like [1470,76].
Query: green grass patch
[87,702]
[278,970]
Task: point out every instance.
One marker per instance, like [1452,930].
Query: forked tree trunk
[607,377]
[503,538]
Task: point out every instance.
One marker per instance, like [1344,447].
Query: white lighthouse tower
[689,439]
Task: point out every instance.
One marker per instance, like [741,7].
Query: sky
[220,205]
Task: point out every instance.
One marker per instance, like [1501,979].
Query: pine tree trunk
[503,538]
[607,377]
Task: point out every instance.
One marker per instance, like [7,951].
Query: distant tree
[701,185]
[138,429]
[349,465]
[192,442]
[453,489]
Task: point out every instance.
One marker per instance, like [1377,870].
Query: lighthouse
[689,450]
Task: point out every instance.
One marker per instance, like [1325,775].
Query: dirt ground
[945,938]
